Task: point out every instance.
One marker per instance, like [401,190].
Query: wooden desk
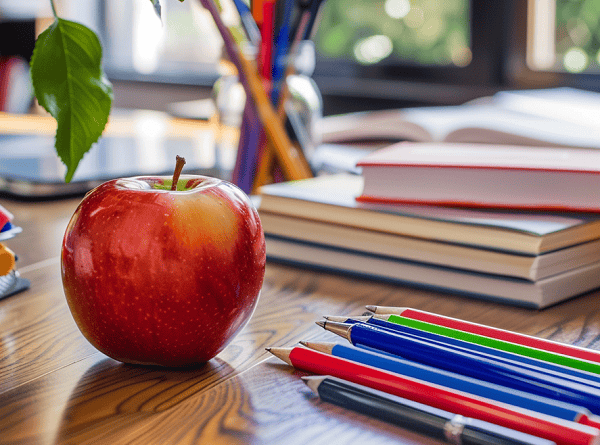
[56,388]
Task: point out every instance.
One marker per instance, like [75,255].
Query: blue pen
[280,53]
[459,382]
[315,5]
[576,375]
[468,364]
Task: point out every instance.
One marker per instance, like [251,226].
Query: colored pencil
[552,428]
[302,13]
[315,6]
[256,7]
[488,331]
[248,22]
[468,364]
[281,47]
[558,358]
[266,46]
[459,382]
[550,368]
[424,419]
[248,149]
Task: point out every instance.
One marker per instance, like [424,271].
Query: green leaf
[68,81]
[157,8]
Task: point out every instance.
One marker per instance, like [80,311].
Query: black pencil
[430,421]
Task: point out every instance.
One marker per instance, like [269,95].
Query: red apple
[160,277]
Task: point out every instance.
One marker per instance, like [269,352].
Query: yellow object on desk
[7,260]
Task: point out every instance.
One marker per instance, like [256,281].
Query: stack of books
[519,252]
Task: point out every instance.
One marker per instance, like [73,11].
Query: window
[564,36]
[421,32]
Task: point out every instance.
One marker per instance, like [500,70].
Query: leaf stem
[53,9]
[178,167]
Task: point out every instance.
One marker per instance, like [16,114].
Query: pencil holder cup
[304,110]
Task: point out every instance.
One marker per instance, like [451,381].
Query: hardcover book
[478,175]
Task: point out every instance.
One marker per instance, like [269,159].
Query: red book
[480,175]
[560,431]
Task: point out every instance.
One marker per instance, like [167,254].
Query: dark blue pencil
[459,382]
[509,358]
[250,26]
[466,363]
[433,422]
[282,45]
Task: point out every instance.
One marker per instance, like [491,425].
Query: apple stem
[180,162]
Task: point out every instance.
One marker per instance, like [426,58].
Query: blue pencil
[282,45]
[468,364]
[459,382]
[509,358]
[250,26]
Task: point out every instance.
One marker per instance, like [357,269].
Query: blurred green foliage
[578,35]
[425,32]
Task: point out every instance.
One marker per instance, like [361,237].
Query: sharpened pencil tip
[386,310]
[313,381]
[341,329]
[321,323]
[282,354]
[323,347]
[268,349]
[303,343]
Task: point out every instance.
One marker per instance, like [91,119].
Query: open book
[562,117]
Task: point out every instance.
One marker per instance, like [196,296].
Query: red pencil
[266,43]
[560,431]
[488,331]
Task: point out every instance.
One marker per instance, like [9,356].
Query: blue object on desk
[471,365]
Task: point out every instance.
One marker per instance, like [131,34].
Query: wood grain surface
[56,388]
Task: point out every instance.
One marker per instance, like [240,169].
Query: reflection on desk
[135,143]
